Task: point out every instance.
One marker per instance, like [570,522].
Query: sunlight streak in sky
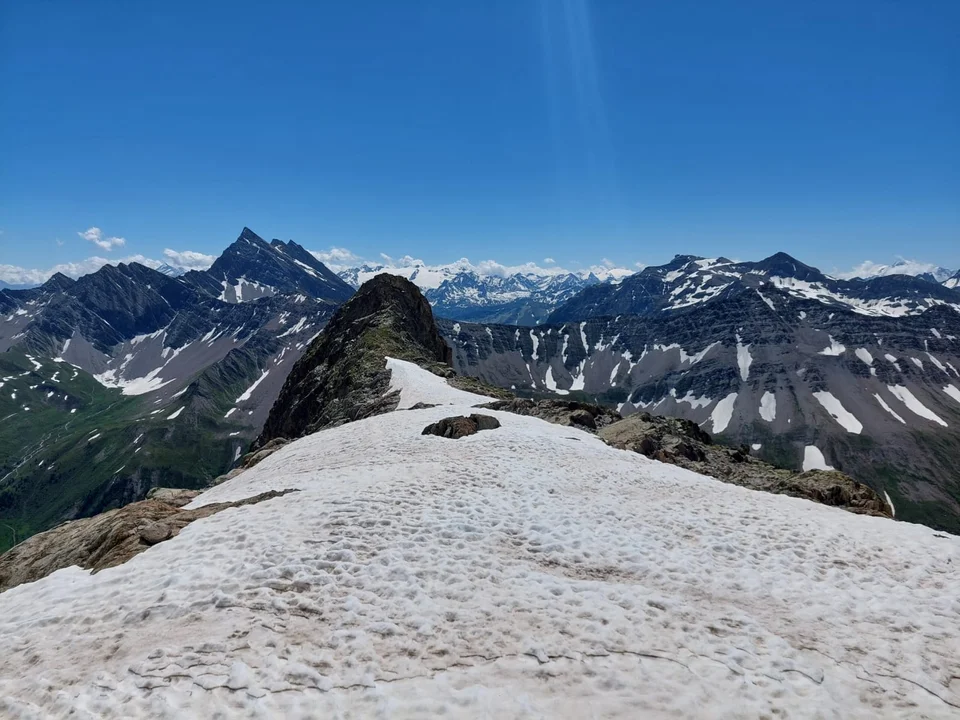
[582,140]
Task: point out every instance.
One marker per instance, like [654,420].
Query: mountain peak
[784,265]
[58,282]
[250,236]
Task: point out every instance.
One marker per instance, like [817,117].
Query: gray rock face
[458,427]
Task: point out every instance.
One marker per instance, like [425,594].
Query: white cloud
[59,242]
[95,235]
[337,259]
[16,275]
[639,265]
[550,261]
[188,259]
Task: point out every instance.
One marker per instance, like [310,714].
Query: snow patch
[417,385]
[838,412]
[768,406]
[723,413]
[883,404]
[813,459]
[249,391]
[834,348]
[913,404]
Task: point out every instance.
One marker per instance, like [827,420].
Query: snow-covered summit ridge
[528,570]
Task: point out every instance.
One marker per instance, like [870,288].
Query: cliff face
[342,376]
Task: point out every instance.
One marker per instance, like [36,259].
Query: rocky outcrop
[461,426]
[342,376]
[560,412]
[108,539]
[683,443]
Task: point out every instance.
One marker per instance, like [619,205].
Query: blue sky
[505,129]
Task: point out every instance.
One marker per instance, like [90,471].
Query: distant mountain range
[130,377]
[464,292]
[461,291]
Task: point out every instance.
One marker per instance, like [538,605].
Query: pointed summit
[252,268]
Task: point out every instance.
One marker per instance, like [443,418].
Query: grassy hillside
[69,447]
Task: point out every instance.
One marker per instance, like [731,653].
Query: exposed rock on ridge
[342,376]
[683,443]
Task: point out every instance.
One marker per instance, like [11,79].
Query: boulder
[461,426]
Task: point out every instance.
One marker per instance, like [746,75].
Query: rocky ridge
[342,376]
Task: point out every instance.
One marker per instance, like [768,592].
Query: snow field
[527,571]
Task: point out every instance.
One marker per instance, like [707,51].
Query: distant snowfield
[527,571]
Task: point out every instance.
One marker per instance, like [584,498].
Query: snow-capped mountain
[525,571]
[863,376]
[490,292]
[953,281]
[927,271]
[688,281]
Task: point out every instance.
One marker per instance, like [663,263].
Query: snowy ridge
[417,576]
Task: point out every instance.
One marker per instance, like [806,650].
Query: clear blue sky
[506,129]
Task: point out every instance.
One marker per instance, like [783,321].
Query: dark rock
[421,406]
[461,426]
[485,422]
[584,418]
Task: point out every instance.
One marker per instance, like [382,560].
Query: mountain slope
[806,384]
[172,378]
[415,575]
